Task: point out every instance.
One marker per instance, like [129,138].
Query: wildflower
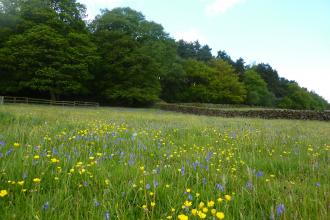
[220,215]
[187,203]
[188,190]
[21,183]
[260,174]
[201,205]
[213,211]
[36,180]
[107,182]
[182,170]
[228,197]
[167,186]
[205,210]
[36,157]
[152,204]
[54,160]
[169,217]
[45,206]
[194,212]
[3,193]
[210,204]
[220,187]
[142,168]
[17,145]
[220,200]
[172,209]
[182,217]
[280,209]
[145,207]
[107,215]
[318,184]
[148,186]
[201,215]
[156,183]
[197,194]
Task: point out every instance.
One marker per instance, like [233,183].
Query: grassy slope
[177,151]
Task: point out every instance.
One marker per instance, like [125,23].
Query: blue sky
[293,36]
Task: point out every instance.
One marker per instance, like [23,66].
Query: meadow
[122,163]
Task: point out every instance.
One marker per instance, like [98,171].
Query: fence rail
[26,100]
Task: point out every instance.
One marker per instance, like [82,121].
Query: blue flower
[148,186]
[260,174]
[280,209]
[220,187]
[45,206]
[107,215]
[156,183]
[182,170]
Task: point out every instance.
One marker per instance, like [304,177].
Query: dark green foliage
[257,92]
[300,98]
[133,52]
[189,50]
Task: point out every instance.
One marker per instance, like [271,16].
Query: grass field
[117,163]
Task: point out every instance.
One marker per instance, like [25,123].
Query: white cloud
[221,6]
[190,35]
[94,6]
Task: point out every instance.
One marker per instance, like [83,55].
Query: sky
[293,36]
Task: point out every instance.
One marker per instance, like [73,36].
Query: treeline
[47,49]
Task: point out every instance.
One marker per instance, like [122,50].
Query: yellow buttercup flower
[201,205]
[182,217]
[220,215]
[228,197]
[210,204]
[3,193]
[194,212]
[187,203]
[152,204]
[213,211]
[21,183]
[36,180]
[201,215]
[54,160]
[17,145]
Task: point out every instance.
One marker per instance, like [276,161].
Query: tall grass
[120,163]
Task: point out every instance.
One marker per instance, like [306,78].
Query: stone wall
[262,113]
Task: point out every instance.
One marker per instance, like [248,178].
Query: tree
[301,98]
[224,84]
[257,92]
[42,59]
[189,50]
[133,52]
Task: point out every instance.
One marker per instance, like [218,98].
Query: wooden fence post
[2,100]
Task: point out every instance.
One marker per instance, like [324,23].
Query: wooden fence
[26,100]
